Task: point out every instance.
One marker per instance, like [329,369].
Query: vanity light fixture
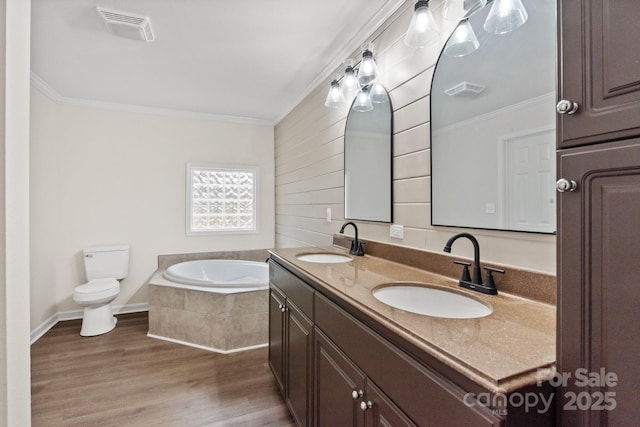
[334,97]
[453,10]
[463,41]
[368,71]
[378,94]
[505,16]
[350,86]
[363,102]
[358,80]
[472,6]
[422,29]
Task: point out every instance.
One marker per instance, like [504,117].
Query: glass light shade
[378,94]
[368,69]
[505,16]
[350,86]
[362,102]
[472,6]
[334,97]
[422,29]
[462,42]
[453,10]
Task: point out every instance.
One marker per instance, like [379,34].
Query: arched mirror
[367,161]
[493,126]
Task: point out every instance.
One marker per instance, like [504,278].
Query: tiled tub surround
[220,322]
[511,348]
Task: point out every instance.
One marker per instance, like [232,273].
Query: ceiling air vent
[127,25]
[465,89]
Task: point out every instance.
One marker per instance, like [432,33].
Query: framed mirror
[367,161]
[493,126]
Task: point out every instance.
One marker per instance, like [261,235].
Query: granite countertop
[512,347]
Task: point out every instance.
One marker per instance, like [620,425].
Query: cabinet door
[599,57]
[380,411]
[276,336]
[336,378]
[599,290]
[299,362]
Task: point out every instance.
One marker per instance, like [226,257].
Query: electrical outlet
[396,231]
[490,208]
[328,214]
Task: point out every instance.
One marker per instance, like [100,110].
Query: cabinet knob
[366,405]
[283,309]
[563,185]
[357,394]
[565,106]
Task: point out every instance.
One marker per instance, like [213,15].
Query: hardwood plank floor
[124,378]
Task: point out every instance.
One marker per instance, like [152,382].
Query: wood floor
[124,378]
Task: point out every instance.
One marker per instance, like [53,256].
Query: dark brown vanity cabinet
[599,292]
[599,214]
[343,396]
[599,56]
[334,370]
[291,341]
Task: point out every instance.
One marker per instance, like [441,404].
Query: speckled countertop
[512,347]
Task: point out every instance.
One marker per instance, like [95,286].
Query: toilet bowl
[104,266]
[96,297]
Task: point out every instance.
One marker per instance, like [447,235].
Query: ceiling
[244,60]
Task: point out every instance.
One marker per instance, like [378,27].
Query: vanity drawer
[424,395]
[295,289]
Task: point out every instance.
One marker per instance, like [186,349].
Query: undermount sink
[323,258]
[423,299]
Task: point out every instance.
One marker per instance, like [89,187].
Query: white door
[530,178]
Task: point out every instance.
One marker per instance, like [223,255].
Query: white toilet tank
[103,262]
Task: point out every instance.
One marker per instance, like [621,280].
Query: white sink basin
[430,301]
[323,258]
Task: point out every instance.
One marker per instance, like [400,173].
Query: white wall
[309,162]
[101,176]
[15,403]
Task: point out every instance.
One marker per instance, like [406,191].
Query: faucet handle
[466,276]
[489,279]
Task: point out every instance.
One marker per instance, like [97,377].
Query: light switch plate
[396,231]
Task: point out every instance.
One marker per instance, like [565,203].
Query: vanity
[342,357]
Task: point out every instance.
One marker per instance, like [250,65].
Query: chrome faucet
[475,283]
[357,247]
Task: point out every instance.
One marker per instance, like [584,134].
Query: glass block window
[221,199]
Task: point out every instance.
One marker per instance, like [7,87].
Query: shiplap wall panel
[309,159]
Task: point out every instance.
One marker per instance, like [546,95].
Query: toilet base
[97,321]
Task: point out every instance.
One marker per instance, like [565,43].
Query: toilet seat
[97,289]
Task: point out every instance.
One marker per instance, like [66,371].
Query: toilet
[104,267]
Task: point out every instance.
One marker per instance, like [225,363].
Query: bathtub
[218,305]
[219,275]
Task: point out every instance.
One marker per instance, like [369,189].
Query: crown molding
[52,94]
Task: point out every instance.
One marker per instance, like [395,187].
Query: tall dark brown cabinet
[599,212]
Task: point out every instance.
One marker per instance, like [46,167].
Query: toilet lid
[97,285]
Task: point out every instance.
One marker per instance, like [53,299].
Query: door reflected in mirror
[367,161]
[493,127]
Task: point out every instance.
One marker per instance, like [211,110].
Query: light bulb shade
[422,29]
[505,16]
[462,42]
[472,6]
[362,102]
[350,85]
[378,94]
[453,10]
[334,97]
[368,70]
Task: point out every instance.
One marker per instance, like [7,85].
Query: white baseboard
[77,314]
[202,347]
